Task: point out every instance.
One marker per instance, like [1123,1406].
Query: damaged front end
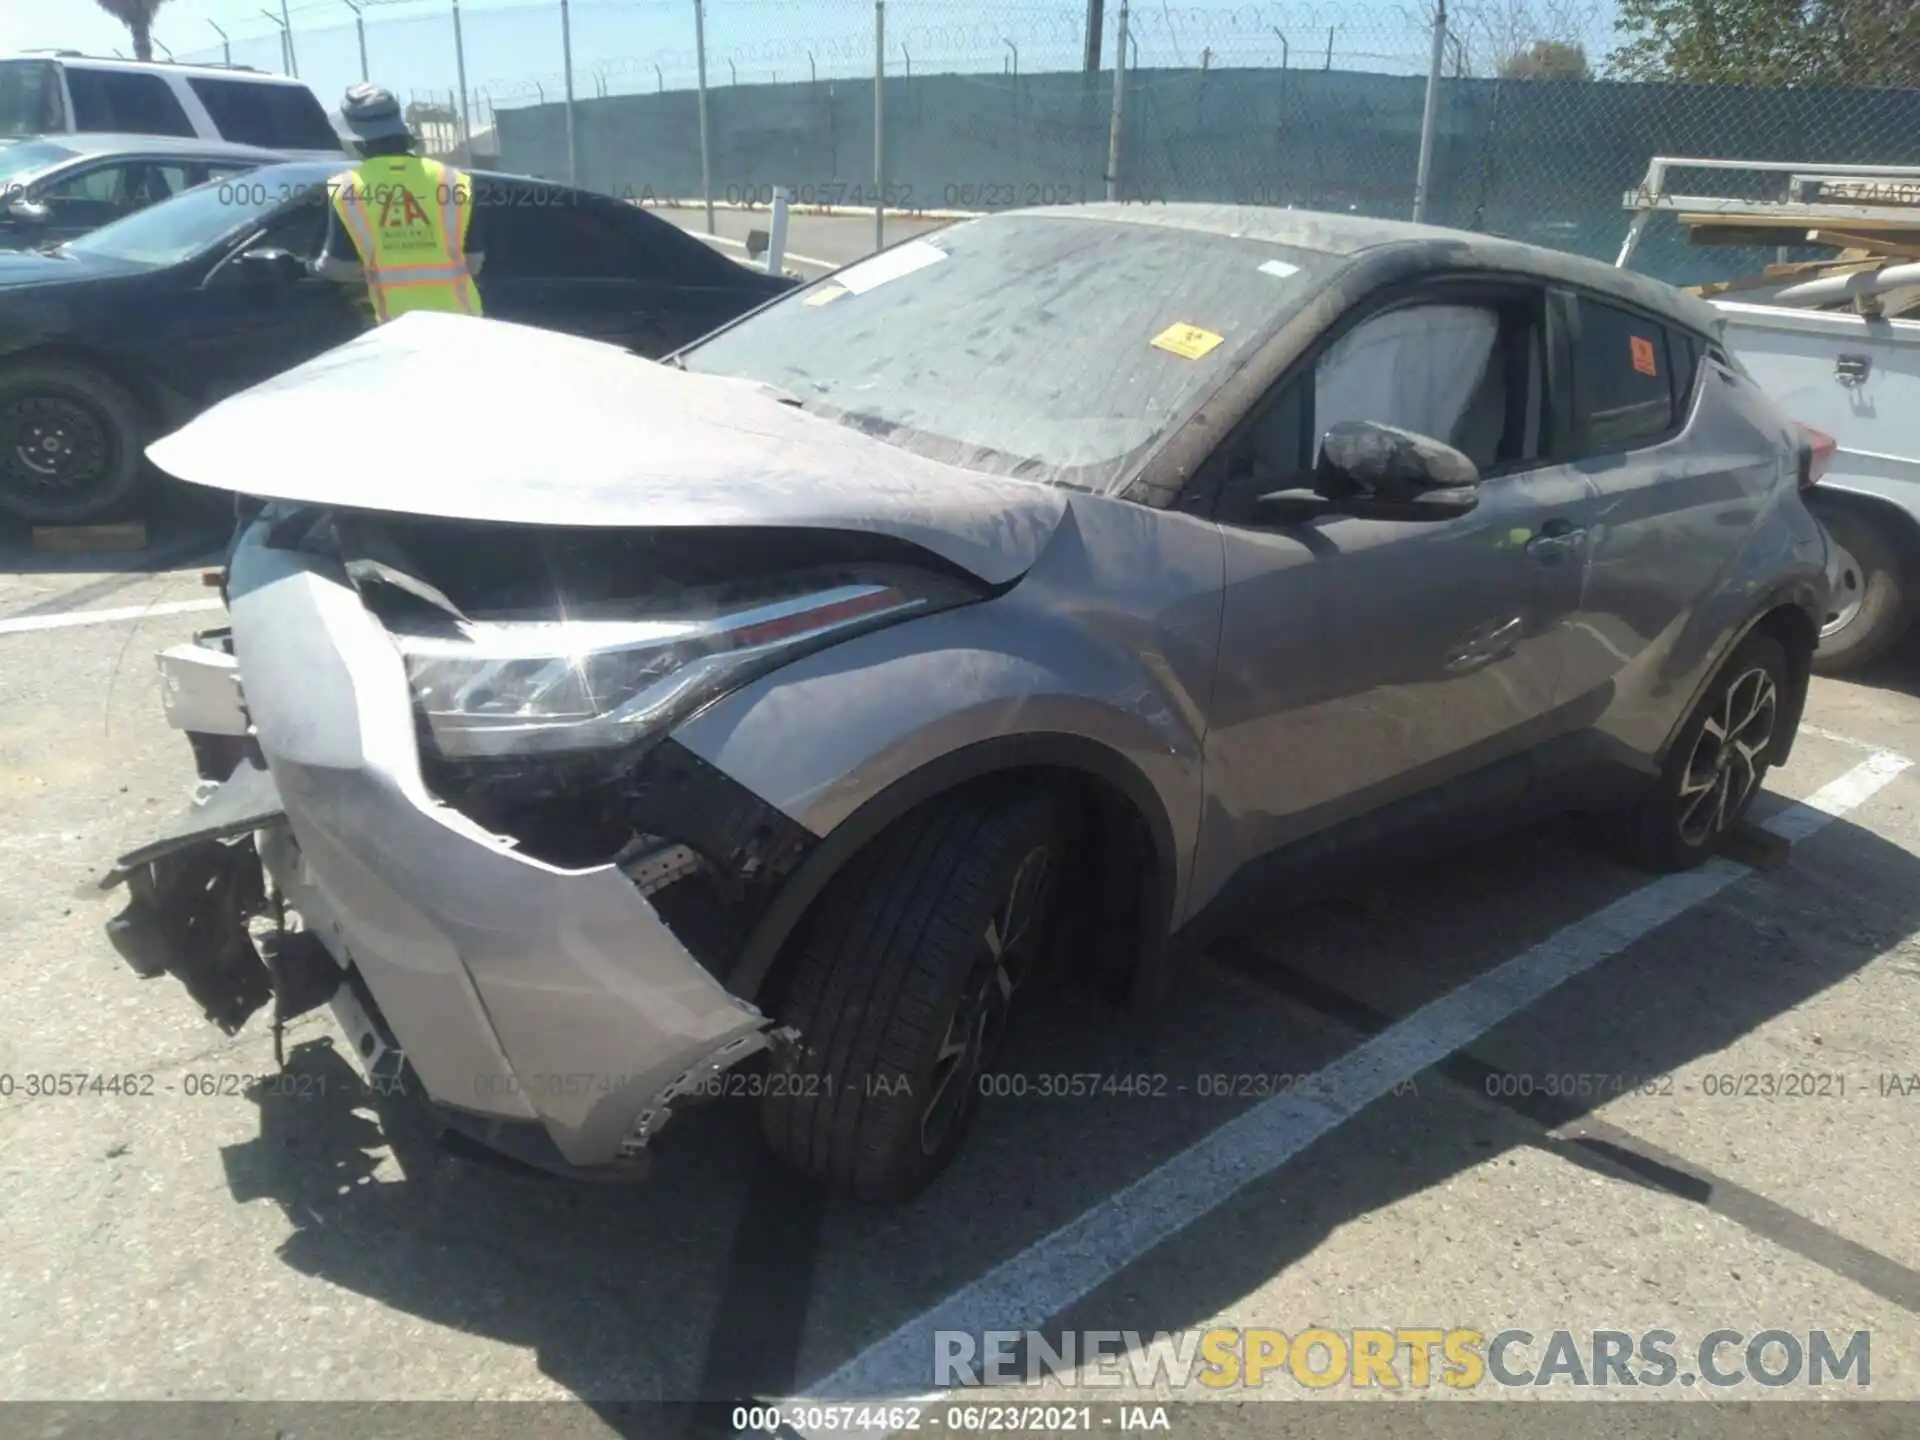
[198,905]
[440,793]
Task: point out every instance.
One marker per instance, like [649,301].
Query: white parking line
[107,617]
[1848,740]
[797,259]
[1053,1272]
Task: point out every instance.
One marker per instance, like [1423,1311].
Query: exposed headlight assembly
[588,682]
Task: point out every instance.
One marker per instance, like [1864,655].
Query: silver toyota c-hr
[1042,589]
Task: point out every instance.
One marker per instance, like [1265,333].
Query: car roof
[1350,235]
[113,62]
[333,165]
[95,142]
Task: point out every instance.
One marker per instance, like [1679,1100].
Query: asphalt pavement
[1517,1087]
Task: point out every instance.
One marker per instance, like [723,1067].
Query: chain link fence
[1009,104]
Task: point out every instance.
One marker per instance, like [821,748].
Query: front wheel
[902,989]
[69,444]
[1717,764]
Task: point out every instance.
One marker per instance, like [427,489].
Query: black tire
[1870,608]
[895,969]
[70,443]
[1665,832]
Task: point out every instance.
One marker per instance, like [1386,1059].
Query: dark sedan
[124,334]
[55,188]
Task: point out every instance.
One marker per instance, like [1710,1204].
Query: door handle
[1557,537]
[1496,644]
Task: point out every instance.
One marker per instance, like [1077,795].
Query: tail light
[1816,455]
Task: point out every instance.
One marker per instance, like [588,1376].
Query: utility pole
[460,69]
[226,45]
[706,162]
[1430,116]
[360,33]
[566,62]
[286,41]
[879,123]
[1119,104]
[293,60]
[1096,20]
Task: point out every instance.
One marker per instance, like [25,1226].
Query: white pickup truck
[1852,376]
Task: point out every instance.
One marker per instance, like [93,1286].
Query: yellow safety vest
[408,218]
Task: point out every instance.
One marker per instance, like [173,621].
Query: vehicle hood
[30,267]
[468,419]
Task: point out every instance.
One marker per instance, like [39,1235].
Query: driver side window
[1469,374]
[301,230]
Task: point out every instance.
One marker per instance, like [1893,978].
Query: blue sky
[513,51]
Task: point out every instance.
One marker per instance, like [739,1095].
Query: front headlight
[514,687]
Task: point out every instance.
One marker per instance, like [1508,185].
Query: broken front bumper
[518,991]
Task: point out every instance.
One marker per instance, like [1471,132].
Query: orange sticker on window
[1643,355]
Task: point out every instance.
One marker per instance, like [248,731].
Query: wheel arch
[1787,617]
[157,407]
[1799,635]
[1900,524]
[1110,800]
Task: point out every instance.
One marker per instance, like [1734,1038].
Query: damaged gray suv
[1043,590]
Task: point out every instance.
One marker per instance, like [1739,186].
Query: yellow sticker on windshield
[825,296]
[1186,340]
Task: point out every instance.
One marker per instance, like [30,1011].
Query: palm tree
[137,16]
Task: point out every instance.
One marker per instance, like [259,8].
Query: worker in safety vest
[403,224]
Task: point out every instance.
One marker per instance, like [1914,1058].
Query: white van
[62,92]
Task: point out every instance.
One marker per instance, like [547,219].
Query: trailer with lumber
[1836,340]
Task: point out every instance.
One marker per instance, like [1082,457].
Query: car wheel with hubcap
[901,991]
[69,444]
[1718,762]
[1868,609]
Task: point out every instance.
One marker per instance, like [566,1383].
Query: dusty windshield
[1046,347]
[30,102]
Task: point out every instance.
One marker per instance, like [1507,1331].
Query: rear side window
[664,253]
[1623,377]
[30,98]
[283,117]
[548,232]
[120,100]
[1686,367]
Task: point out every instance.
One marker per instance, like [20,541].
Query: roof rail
[63,54]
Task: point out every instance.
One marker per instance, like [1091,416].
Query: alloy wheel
[1725,767]
[1009,949]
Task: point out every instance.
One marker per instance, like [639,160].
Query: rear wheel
[69,444]
[902,991]
[1717,765]
[1868,607]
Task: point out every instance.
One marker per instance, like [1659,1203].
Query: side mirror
[270,266]
[22,211]
[1381,472]
[757,242]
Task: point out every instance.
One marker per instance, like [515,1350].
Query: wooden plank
[1854,225]
[81,539]
[1759,230]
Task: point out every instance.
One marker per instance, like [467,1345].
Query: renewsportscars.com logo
[1403,1357]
